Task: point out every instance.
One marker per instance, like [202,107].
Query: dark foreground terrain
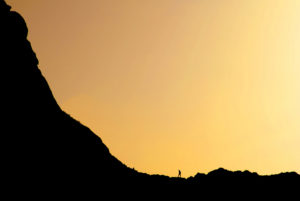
[42,144]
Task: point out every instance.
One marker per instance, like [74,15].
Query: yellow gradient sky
[177,84]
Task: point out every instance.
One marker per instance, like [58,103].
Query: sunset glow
[167,84]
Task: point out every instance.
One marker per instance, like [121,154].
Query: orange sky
[170,84]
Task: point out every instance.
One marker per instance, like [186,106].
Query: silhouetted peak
[224,172]
[45,144]
[287,174]
[4,7]
[43,140]
[218,172]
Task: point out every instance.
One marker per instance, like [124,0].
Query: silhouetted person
[179,173]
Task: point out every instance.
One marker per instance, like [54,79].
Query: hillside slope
[42,143]
[41,138]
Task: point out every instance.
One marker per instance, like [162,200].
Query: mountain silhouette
[40,136]
[41,143]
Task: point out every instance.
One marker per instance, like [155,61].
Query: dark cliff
[42,143]
[40,138]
